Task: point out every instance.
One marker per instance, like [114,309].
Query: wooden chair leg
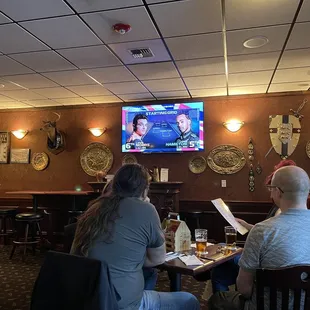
[26,238]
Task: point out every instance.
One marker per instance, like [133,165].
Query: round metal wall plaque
[96,157]
[197,164]
[308,149]
[226,159]
[129,159]
[39,161]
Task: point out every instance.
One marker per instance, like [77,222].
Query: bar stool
[30,220]
[73,215]
[6,215]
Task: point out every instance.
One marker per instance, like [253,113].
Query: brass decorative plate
[39,161]
[129,159]
[96,157]
[197,164]
[308,149]
[226,159]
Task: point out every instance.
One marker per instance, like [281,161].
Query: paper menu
[228,216]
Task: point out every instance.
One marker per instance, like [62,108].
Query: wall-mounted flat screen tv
[176,127]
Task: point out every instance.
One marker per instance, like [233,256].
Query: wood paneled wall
[64,171]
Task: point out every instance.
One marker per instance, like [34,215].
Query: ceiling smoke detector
[255,42]
[141,53]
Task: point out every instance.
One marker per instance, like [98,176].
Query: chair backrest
[292,282]
[67,282]
[69,232]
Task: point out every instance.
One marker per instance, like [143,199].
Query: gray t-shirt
[137,229]
[278,242]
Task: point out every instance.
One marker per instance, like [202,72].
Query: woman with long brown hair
[123,230]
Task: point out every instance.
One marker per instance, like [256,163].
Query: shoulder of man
[193,137]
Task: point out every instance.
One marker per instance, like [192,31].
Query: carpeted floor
[17,279]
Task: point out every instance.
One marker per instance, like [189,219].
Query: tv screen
[163,128]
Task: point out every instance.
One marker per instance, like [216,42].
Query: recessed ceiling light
[2,85]
[255,42]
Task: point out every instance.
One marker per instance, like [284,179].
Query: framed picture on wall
[20,156]
[4,147]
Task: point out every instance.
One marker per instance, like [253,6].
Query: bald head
[294,182]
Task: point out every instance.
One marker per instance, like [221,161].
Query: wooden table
[214,258]
[36,194]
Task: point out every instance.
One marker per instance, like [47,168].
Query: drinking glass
[201,236]
[230,237]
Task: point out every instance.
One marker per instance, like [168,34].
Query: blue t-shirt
[137,229]
[278,242]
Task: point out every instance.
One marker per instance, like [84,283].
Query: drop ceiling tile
[304,15]
[111,74]
[14,105]
[62,32]
[10,67]
[142,25]
[153,71]
[295,59]
[33,9]
[31,80]
[43,61]
[126,88]
[158,1]
[196,46]
[164,85]
[4,19]
[208,92]
[69,78]
[157,47]
[137,97]
[90,56]
[205,66]
[246,14]
[292,75]
[171,94]
[4,99]
[72,101]
[201,82]
[275,34]
[103,99]
[82,6]
[18,40]
[5,85]
[249,78]
[244,90]
[284,87]
[299,37]
[55,92]
[42,103]
[196,16]
[21,94]
[253,62]
[89,90]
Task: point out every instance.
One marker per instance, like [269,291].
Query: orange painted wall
[64,171]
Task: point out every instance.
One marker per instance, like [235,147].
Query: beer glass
[230,237]
[201,236]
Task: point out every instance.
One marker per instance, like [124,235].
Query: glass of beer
[230,237]
[201,236]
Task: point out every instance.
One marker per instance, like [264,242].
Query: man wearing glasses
[278,242]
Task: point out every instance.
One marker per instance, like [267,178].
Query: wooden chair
[289,281]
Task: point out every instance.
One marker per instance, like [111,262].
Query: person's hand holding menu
[228,216]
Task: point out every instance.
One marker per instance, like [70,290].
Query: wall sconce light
[19,134]
[97,132]
[233,125]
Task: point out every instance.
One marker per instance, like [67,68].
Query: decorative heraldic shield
[284,133]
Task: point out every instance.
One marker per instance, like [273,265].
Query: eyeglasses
[271,187]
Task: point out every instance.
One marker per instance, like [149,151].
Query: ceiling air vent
[141,53]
